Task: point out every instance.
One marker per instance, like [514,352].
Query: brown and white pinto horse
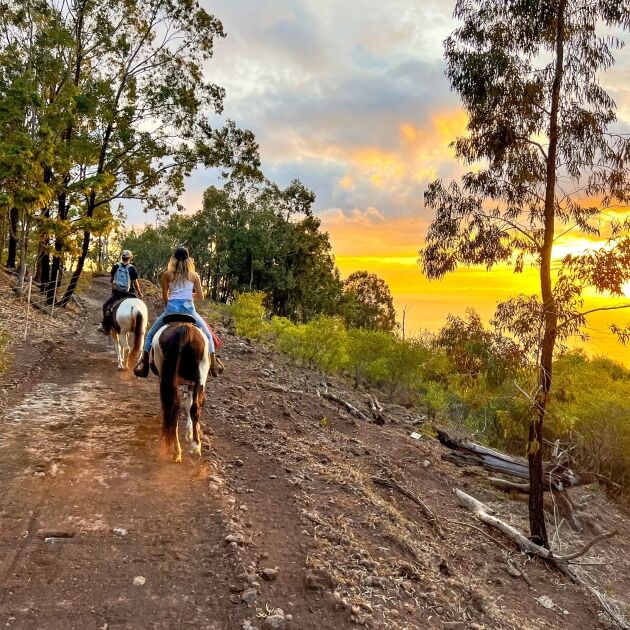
[179,356]
[129,316]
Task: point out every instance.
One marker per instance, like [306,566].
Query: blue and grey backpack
[122,280]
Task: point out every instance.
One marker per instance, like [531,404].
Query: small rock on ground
[274,622]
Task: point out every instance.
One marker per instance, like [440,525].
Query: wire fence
[37,303]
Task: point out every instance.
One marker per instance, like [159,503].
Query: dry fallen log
[466,453]
[377,410]
[509,486]
[350,408]
[561,563]
[428,513]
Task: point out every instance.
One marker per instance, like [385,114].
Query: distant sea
[428,303]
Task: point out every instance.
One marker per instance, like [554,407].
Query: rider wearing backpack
[124,279]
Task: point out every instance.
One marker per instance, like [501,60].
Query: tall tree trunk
[3,236]
[216,280]
[42,271]
[78,270]
[87,234]
[537,525]
[55,271]
[23,252]
[13,228]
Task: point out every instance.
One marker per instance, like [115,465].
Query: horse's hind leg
[119,350]
[188,405]
[195,413]
[125,350]
[170,410]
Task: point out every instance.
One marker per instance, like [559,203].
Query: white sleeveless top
[181,291]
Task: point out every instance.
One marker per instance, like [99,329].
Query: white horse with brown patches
[179,356]
[129,316]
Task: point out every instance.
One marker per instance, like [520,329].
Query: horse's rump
[183,347]
[183,350]
[129,315]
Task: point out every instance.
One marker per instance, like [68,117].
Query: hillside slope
[96,531]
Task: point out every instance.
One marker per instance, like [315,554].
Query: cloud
[368,232]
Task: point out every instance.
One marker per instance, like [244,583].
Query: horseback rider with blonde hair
[181,285]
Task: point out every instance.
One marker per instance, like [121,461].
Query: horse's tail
[138,337]
[180,359]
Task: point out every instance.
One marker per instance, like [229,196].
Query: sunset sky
[351,98]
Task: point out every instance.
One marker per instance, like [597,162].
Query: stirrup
[213,365]
[142,369]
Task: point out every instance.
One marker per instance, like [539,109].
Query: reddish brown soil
[286,472]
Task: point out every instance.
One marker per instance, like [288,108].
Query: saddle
[180,318]
[111,309]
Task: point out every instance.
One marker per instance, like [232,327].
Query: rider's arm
[197,290]
[165,283]
[136,284]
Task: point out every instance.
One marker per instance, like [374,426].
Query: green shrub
[400,365]
[322,344]
[471,384]
[364,347]
[248,313]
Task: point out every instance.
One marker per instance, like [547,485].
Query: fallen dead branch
[564,503]
[586,547]
[480,531]
[561,563]
[428,513]
[509,486]
[377,409]
[350,408]
[466,453]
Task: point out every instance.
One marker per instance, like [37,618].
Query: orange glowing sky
[354,102]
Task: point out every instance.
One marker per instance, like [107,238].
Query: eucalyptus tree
[30,33]
[143,107]
[549,162]
[119,93]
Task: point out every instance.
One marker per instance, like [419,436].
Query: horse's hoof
[195,449]
[178,459]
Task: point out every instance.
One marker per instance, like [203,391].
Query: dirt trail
[87,508]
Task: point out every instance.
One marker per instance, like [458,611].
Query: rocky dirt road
[278,525]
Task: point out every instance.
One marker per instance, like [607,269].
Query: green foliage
[248,313]
[364,347]
[101,103]
[592,404]
[368,302]
[320,343]
[401,365]
[475,351]
[252,238]
[152,248]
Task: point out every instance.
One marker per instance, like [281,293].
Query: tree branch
[586,547]
[592,310]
